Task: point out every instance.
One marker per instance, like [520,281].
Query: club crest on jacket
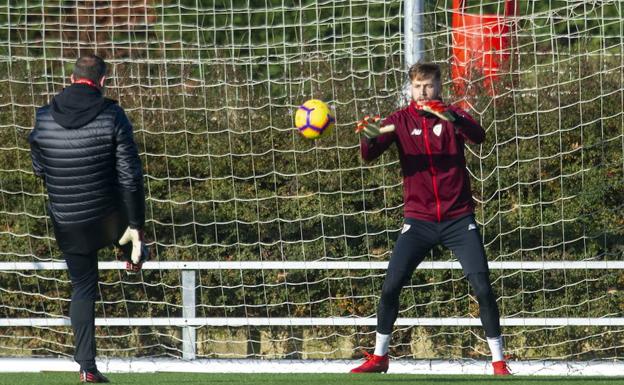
[437,129]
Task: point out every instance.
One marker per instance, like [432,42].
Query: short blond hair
[425,71]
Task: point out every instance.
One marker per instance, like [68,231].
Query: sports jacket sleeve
[35,154]
[372,149]
[129,171]
[467,127]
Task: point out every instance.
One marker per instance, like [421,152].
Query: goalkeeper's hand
[437,108]
[140,252]
[369,127]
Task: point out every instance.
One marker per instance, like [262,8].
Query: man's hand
[438,109]
[140,252]
[369,127]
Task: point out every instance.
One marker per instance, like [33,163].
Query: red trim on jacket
[436,183]
[432,170]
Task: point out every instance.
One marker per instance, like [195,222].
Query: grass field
[53,378]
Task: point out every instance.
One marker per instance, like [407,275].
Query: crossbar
[301,321]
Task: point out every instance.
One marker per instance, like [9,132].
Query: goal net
[267,245]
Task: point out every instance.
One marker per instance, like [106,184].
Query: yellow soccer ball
[314,119]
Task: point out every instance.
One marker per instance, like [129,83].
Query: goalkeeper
[83,147]
[438,206]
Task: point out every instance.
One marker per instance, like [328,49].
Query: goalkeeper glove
[369,127]
[437,108]
[138,254]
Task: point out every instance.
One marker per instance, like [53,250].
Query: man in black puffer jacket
[83,147]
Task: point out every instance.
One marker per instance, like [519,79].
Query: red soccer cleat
[373,364]
[501,368]
[87,376]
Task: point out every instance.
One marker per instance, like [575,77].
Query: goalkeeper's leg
[490,319]
[463,238]
[413,244]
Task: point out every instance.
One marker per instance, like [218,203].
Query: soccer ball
[314,119]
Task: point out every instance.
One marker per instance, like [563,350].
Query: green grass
[52,378]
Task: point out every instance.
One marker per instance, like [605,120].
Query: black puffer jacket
[83,147]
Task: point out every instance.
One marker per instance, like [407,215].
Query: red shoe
[373,364]
[95,377]
[501,368]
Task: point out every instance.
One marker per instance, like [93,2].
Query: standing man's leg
[413,244]
[83,272]
[463,238]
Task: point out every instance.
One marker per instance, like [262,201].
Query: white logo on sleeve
[406,227]
[437,129]
[416,132]
[472,226]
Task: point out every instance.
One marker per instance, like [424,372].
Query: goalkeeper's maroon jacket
[436,185]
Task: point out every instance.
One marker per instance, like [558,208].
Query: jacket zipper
[432,170]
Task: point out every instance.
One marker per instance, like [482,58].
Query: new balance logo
[416,132]
[472,226]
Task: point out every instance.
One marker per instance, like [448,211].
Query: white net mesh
[211,88]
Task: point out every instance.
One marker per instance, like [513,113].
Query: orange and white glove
[140,252]
[370,128]
[437,108]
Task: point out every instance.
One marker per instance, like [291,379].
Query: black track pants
[83,272]
[416,240]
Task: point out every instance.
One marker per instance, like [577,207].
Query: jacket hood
[78,105]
